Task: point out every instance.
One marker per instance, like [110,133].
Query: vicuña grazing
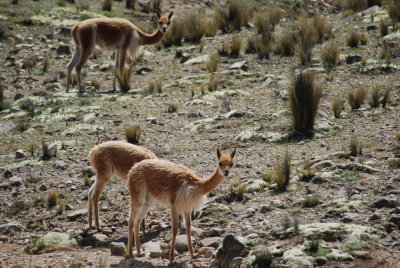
[172,185]
[111,158]
[115,34]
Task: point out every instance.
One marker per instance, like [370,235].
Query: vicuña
[111,158]
[172,185]
[114,34]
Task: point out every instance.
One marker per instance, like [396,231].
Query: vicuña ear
[233,153]
[170,15]
[158,14]
[218,153]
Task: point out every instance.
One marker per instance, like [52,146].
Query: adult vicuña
[172,185]
[111,34]
[111,158]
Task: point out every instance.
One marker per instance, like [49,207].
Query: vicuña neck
[149,39]
[211,182]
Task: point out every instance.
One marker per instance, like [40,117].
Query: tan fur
[171,185]
[112,158]
[115,34]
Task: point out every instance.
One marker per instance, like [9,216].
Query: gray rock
[154,248]
[211,242]
[152,120]
[60,164]
[231,248]
[371,27]
[181,244]
[20,154]
[256,185]
[296,257]
[54,87]
[15,181]
[105,66]
[63,50]
[396,220]
[361,254]
[216,231]
[7,174]
[239,65]
[384,202]
[117,249]
[371,10]
[43,187]
[197,60]
[10,228]
[76,214]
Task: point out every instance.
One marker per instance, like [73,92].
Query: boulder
[117,249]
[76,214]
[230,249]
[154,248]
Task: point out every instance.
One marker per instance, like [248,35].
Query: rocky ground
[354,220]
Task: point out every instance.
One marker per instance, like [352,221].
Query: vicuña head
[173,185]
[114,34]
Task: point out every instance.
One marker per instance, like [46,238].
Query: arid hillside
[307,91]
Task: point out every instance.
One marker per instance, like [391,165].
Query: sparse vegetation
[385,52]
[307,174]
[237,189]
[61,207]
[213,82]
[132,133]
[356,5]
[52,198]
[386,97]
[46,155]
[107,5]
[286,44]
[383,27]
[282,172]
[263,46]
[263,257]
[304,102]
[322,28]
[235,46]
[29,106]
[355,38]
[307,36]
[175,33]
[46,62]
[330,55]
[356,97]
[172,107]
[3,31]
[310,201]
[154,87]
[374,100]
[86,179]
[232,16]
[124,78]
[363,39]
[195,26]
[354,146]
[394,11]
[212,62]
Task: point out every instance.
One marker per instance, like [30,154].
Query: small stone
[239,65]
[230,249]
[43,187]
[374,217]
[76,214]
[394,162]
[63,50]
[371,27]
[154,248]
[152,120]
[396,220]
[362,254]
[216,231]
[61,165]
[7,174]
[181,244]
[20,154]
[16,181]
[389,227]
[352,58]
[69,207]
[211,242]
[143,70]
[117,249]
[10,228]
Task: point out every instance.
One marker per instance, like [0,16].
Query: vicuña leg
[188,225]
[82,60]
[94,196]
[174,227]
[71,66]
[116,69]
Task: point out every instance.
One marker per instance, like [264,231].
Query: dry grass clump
[304,102]
[286,44]
[132,133]
[266,21]
[232,16]
[251,45]
[52,198]
[307,36]
[46,62]
[323,29]
[124,78]
[337,107]
[394,11]
[172,107]
[385,52]
[356,5]
[212,62]
[155,86]
[214,81]
[356,97]
[383,27]
[175,33]
[3,31]
[237,189]
[330,55]
[310,201]
[354,146]
[29,63]
[195,26]
[211,28]
[374,100]
[107,5]
[282,172]
[386,97]
[231,47]
[263,46]
[363,39]
[3,104]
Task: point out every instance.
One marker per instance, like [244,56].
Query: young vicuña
[115,34]
[111,158]
[172,185]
